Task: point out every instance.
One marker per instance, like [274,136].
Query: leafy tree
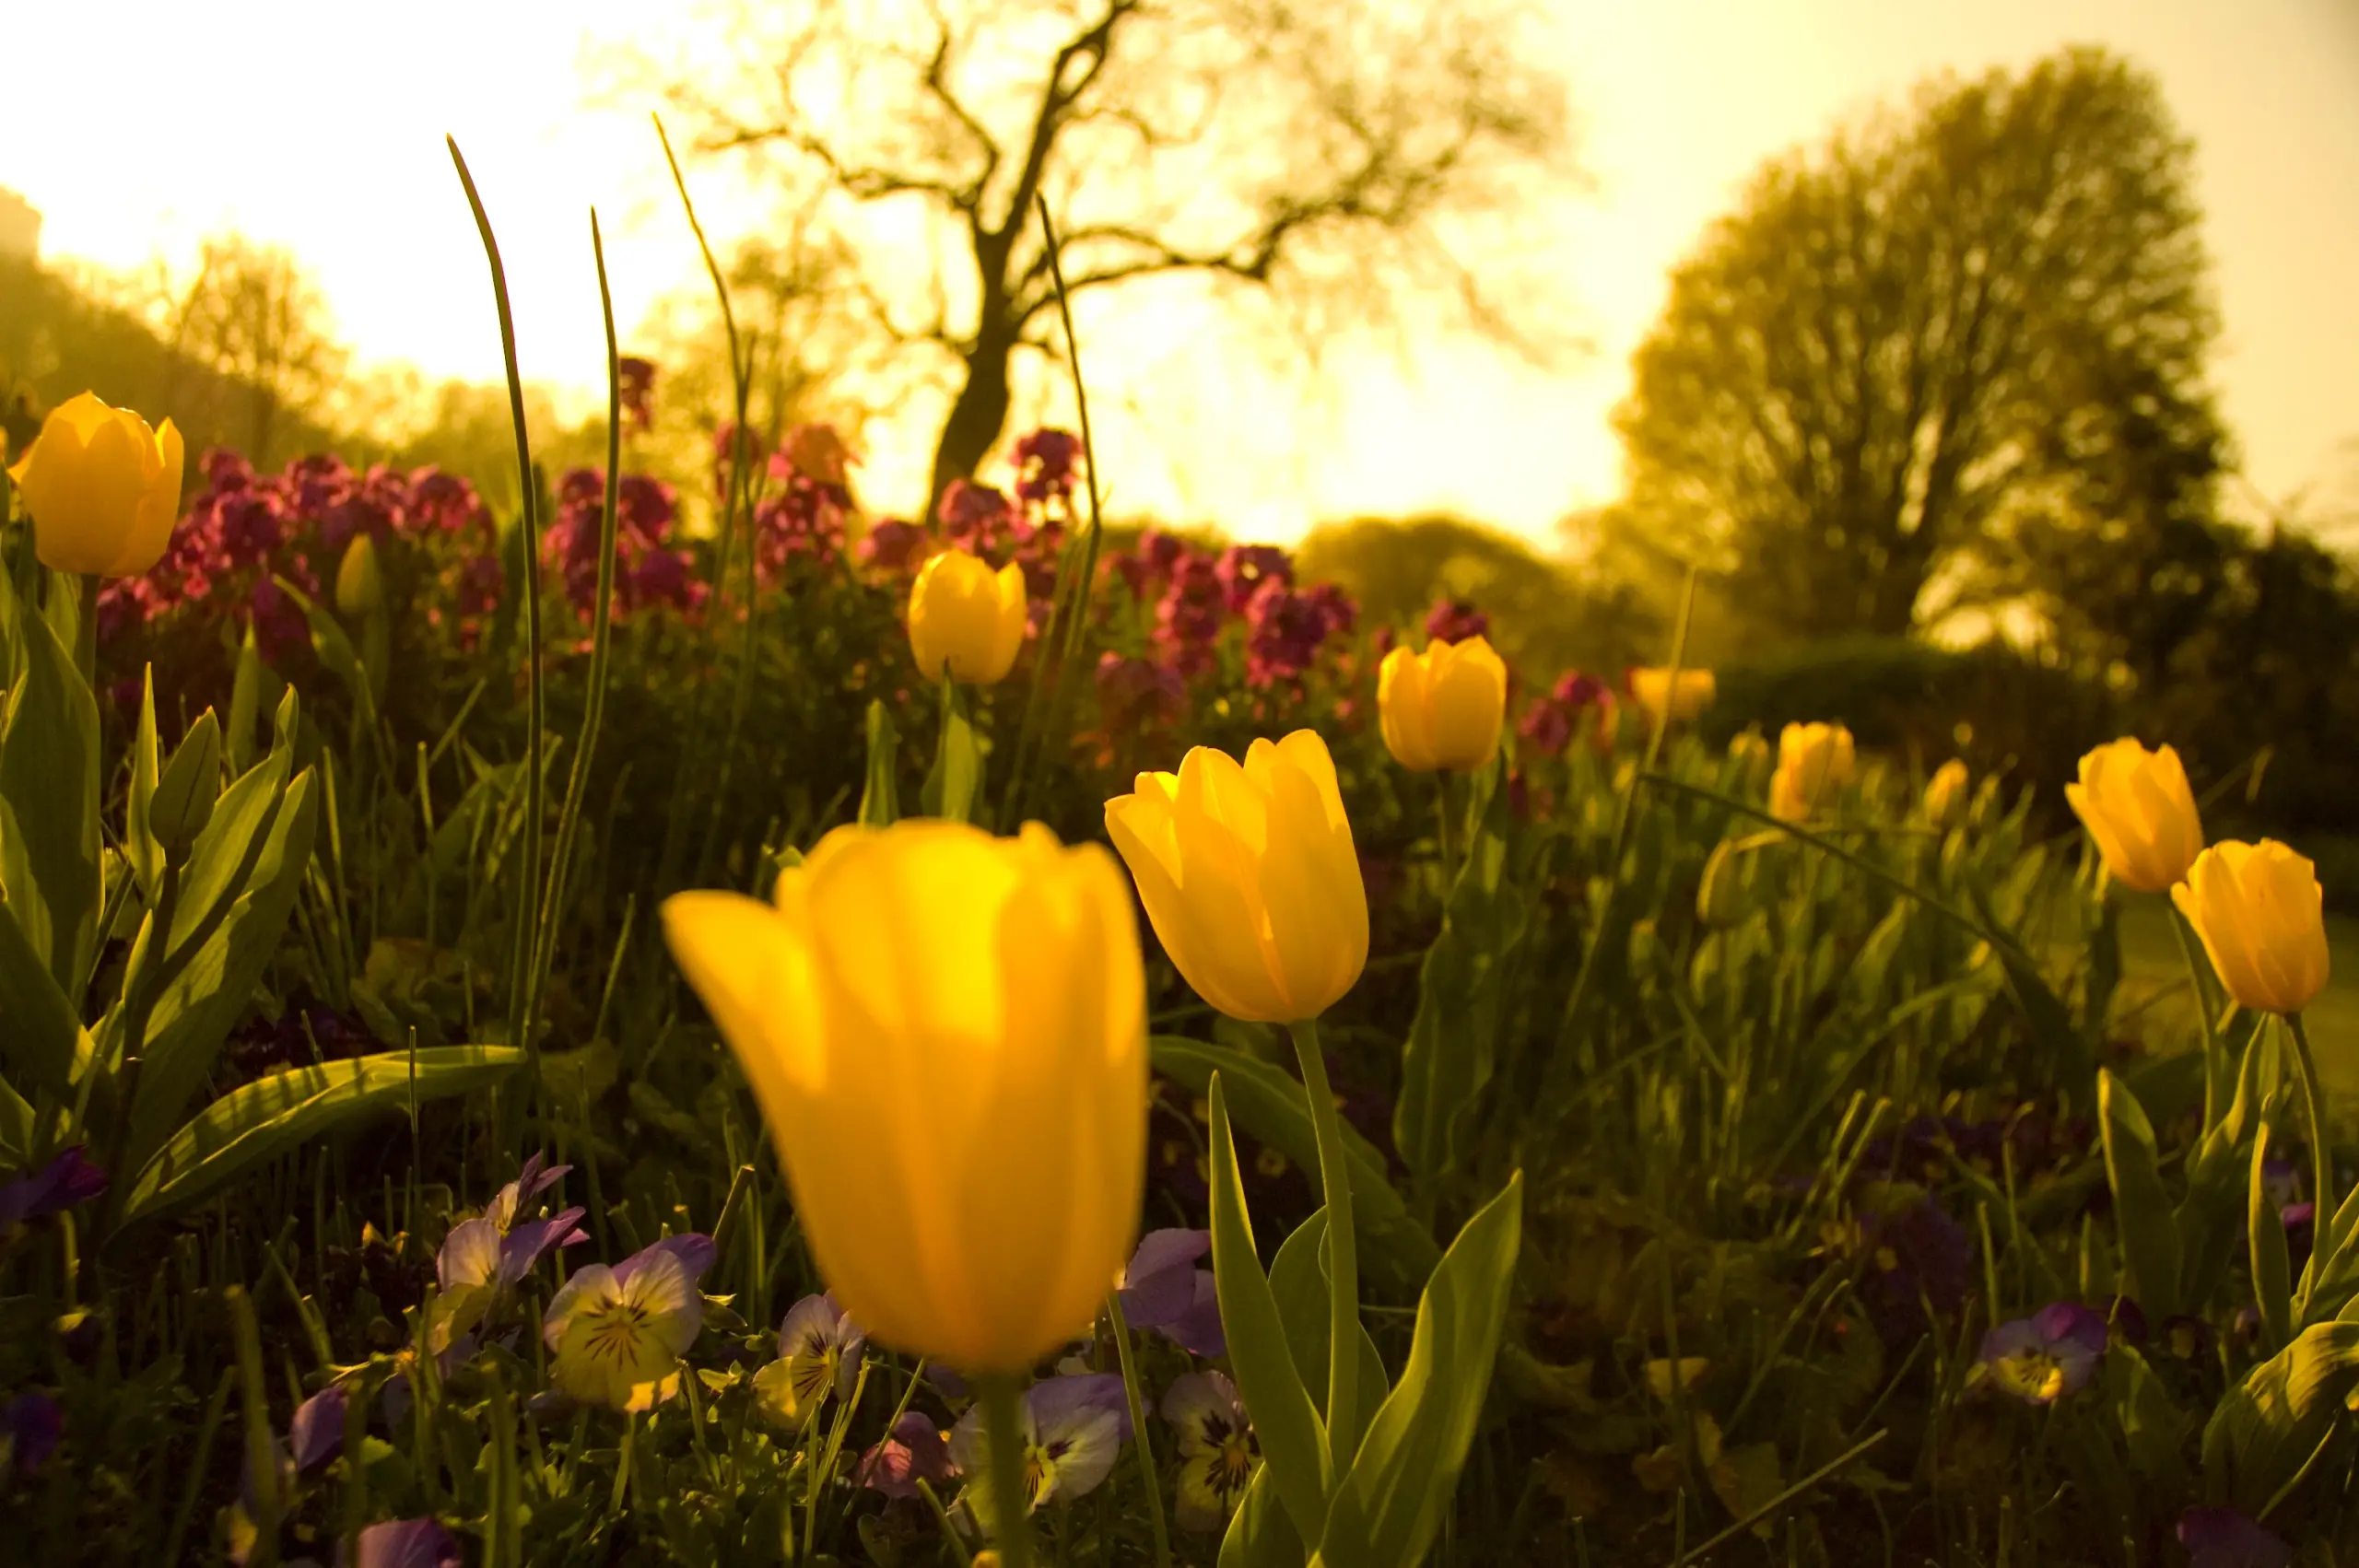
[1339,156]
[252,314]
[1948,350]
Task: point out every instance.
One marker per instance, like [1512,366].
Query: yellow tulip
[1750,752]
[2259,910]
[102,487]
[1653,689]
[947,1033]
[965,616]
[1249,876]
[1442,708]
[360,582]
[1814,762]
[1945,795]
[2138,807]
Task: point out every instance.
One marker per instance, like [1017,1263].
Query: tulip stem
[1342,1265]
[1003,1427]
[2214,1068]
[1138,1428]
[1446,838]
[2321,1158]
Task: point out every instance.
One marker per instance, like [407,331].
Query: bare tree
[1342,158]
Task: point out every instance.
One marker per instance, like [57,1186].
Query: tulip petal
[158,508]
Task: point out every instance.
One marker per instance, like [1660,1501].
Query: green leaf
[2153,1427]
[2142,1211]
[1294,1444]
[16,1128]
[880,803]
[2050,1022]
[2272,1272]
[2270,1427]
[1270,1104]
[1260,1536]
[246,698]
[196,1011]
[957,777]
[1387,1510]
[49,776]
[43,1041]
[221,861]
[334,649]
[190,785]
[145,855]
[1446,1062]
[276,1115]
[1299,1280]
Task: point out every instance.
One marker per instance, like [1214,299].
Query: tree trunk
[977,416]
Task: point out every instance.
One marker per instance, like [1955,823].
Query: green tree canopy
[1942,352]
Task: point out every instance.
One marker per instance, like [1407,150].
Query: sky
[318,124]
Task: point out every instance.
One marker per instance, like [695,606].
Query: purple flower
[30,1425]
[1455,620]
[916,1450]
[2226,1538]
[1044,463]
[1547,724]
[973,513]
[1163,1289]
[818,1354]
[1917,1255]
[68,1178]
[892,545]
[1243,568]
[1130,690]
[637,387]
[2042,1358]
[1217,1451]
[1074,1429]
[316,1434]
[695,1251]
[404,1543]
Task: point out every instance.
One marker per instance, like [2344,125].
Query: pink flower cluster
[1550,721]
[647,571]
[242,528]
[1198,593]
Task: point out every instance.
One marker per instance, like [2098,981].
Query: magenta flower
[1243,568]
[1132,690]
[637,378]
[1044,464]
[973,514]
[1455,620]
[2226,1538]
[2042,1358]
[892,545]
[915,1451]
[68,1178]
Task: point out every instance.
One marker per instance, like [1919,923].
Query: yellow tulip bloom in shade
[1814,762]
[1249,876]
[103,489]
[2259,910]
[1442,708]
[2137,805]
[964,615]
[947,1035]
[1653,689]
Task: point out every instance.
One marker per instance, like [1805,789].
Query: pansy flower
[316,1434]
[402,1543]
[1217,1451]
[1074,1429]
[2226,1538]
[818,1354]
[915,1451]
[68,1178]
[1162,1289]
[617,1334]
[484,1259]
[2042,1358]
[30,1425]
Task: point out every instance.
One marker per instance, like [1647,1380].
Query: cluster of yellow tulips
[2258,909]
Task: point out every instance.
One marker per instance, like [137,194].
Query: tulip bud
[359,582]
[1722,897]
[1654,690]
[947,1033]
[964,616]
[2260,912]
[1815,763]
[1249,876]
[1946,796]
[2138,807]
[1750,753]
[103,489]
[188,788]
[1442,708]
